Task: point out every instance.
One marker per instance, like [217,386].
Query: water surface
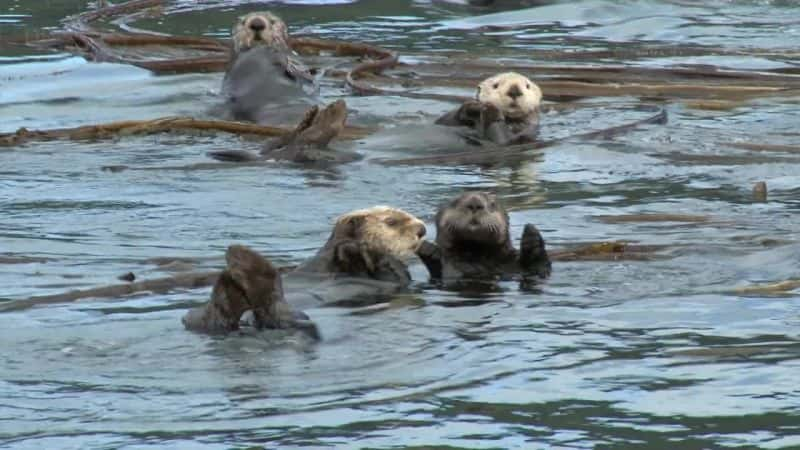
[622,354]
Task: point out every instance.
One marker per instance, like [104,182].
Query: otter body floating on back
[505,112]
[265,84]
[363,259]
[473,243]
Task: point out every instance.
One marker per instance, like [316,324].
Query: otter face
[513,94]
[260,28]
[472,217]
[387,229]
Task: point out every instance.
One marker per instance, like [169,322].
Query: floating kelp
[610,251]
[161,125]
[597,251]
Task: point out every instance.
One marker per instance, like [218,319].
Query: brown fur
[472,241]
[249,282]
[372,243]
[368,243]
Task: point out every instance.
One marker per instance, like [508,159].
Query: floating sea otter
[473,243]
[265,84]
[363,258]
[505,112]
[263,77]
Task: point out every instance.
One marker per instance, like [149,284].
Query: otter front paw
[431,256]
[490,114]
[354,257]
[533,254]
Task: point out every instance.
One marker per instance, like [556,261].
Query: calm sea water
[627,354]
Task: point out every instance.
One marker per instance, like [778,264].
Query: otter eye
[527,85]
[391,221]
[496,85]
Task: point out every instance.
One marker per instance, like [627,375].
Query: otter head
[475,218]
[260,28]
[513,94]
[386,229]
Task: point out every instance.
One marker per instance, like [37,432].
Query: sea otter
[307,143]
[264,83]
[363,259]
[473,243]
[505,112]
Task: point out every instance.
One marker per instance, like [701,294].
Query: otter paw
[431,256]
[354,257]
[533,254]
[490,114]
[469,113]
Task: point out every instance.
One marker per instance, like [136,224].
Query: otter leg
[431,256]
[533,258]
[262,286]
[222,313]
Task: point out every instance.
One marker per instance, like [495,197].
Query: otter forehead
[483,197]
[380,211]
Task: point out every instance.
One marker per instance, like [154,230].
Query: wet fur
[473,242]
[263,82]
[370,244]
[505,111]
[249,282]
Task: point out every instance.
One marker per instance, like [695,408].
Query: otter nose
[514,91]
[421,231]
[257,24]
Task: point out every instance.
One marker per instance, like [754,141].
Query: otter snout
[514,91]
[257,24]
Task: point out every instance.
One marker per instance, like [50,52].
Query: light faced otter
[264,83]
[363,258]
[473,243]
[505,112]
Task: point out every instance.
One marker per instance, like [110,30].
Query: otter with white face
[364,258]
[473,243]
[373,242]
[260,28]
[505,111]
[264,82]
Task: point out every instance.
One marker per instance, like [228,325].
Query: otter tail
[233,156]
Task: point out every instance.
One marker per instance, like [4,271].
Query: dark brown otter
[249,282]
[473,243]
[505,111]
[363,259]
